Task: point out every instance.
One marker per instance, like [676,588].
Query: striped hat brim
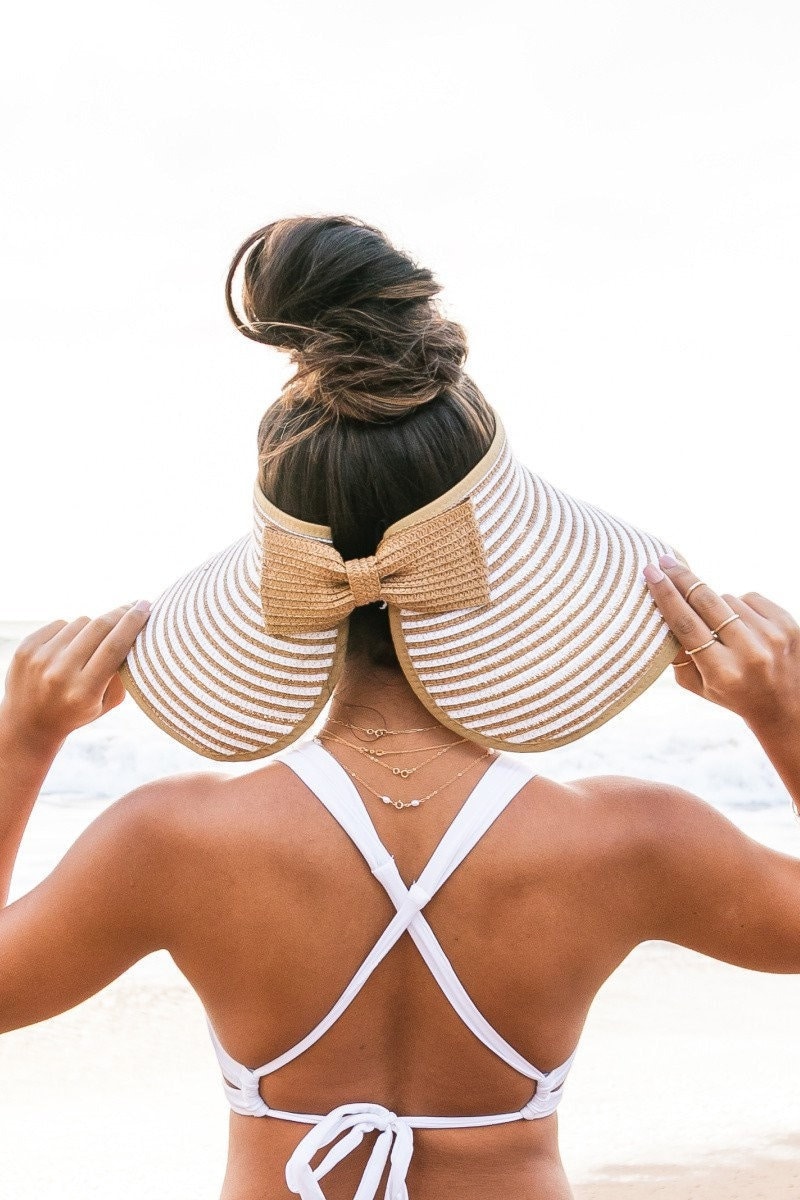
[570,634]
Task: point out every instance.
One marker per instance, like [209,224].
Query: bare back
[533,922]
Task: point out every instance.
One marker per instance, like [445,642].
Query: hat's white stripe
[593,608]
[221,657]
[535,595]
[213,700]
[498,695]
[553,640]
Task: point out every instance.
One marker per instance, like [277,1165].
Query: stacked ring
[727,621]
[705,645]
[712,639]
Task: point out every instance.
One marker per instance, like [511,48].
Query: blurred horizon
[608,194]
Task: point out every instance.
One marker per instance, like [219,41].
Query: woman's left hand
[64,675]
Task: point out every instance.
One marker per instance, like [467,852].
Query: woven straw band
[519,615]
[570,634]
[433,567]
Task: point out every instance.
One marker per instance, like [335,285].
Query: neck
[378,697]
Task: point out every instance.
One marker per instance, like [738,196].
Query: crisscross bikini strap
[325,776]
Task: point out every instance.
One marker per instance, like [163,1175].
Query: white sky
[608,191]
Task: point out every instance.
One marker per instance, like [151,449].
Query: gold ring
[704,646]
[727,621]
[688,663]
[696,584]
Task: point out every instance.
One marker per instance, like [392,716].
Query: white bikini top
[346,1125]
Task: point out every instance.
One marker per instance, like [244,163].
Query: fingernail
[142,606]
[652,573]
[667,560]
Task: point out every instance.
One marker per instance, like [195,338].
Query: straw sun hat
[519,615]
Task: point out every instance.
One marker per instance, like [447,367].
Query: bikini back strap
[325,776]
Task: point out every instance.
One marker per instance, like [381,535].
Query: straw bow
[432,566]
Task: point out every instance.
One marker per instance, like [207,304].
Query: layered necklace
[403,771]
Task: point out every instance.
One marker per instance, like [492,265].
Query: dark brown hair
[379,417]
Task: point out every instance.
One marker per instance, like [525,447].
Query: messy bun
[380,417]
[355,315]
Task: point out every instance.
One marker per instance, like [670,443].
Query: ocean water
[667,734]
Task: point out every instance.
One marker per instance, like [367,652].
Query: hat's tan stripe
[562,593]
[252,616]
[526,722]
[600,700]
[507,658]
[182,705]
[600,615]
[512,546]
[567,627]
[143,694]
[258,666]
[144,660]
[254,650]
[287,702]
[321,646]
[177,601]
[495,482]
[428,653]
[499,494]
[455,704]
[172,707]
[619,648]
[505,650]
[515,508]
[601,706]
[523,529]
[541,709]
[184,691]
[528,743]
[225,753]
[251,667]
[528,584]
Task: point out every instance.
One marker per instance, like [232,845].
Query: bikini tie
[348,1123]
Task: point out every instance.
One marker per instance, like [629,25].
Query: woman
[454,606]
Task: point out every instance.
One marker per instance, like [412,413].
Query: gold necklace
[380,732]
[398,804]
[402,772]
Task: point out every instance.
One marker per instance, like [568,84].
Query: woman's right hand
[752,666]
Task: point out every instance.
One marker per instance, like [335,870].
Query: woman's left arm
[98,912]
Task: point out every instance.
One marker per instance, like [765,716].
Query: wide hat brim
[569,636]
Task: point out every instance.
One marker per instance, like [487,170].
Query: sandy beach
[685,1086]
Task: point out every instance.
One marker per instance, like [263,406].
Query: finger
[67,634]
[40,637]
[88,639]
[688,626]
[769,610]
[713,609]
[750,618]
[114,694]
[114,648]
[689,677]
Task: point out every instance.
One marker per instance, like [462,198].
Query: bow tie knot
[364,579]
[348,1124]
[433,566]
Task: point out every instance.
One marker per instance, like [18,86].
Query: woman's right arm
[701,882]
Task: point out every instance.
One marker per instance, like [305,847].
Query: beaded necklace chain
[398,804]
[402,772]
[380,732]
